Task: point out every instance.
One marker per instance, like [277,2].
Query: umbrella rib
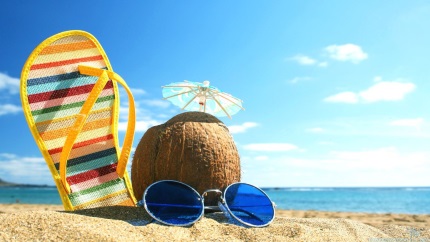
[224,93]
[196,90]
[219,105]
[188,103]
[228,98]
[233,102]
[178,94]
[177,86]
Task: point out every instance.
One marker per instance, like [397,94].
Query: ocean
[411,200]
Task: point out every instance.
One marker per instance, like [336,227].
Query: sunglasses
[175,203]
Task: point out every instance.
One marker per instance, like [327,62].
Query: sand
[24,222]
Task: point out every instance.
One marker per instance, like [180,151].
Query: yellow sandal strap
[104,77]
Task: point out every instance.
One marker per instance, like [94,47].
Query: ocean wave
[307,189]
[416,189]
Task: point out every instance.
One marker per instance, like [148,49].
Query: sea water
[32,195]
[410,200]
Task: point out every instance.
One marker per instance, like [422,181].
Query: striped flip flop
[70,98]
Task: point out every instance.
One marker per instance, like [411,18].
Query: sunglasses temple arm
[227,213]
[141,204]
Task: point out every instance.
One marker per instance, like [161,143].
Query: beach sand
[25,222]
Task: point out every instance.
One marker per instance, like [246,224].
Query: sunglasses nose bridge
[211,190]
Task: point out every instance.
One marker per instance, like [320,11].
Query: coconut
[195,148]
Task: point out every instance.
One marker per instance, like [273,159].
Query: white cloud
[304,60]
[385,166]
[343,97]
[157,103]
[347,52]
[270,147]
[380,91]
[137,91]
[415,122]
[385,158]
[17,169]
[261,158]
[141,126]
[234,129]
[315,130]
[323,64]
[299,79]
[387,91]
[380,127]
[326,143]
[9,109]
[144,117]
[8,83]
[377,79]
[140,111]
[308,61]
[363,158]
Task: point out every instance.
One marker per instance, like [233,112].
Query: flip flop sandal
[70,98]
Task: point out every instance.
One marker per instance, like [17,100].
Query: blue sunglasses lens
[173,203]
[249,204]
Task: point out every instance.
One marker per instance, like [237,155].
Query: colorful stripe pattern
[56,92]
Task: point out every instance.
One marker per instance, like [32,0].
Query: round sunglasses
[175,203]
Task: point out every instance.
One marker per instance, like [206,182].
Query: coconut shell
[195,148]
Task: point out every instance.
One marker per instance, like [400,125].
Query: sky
[336,92]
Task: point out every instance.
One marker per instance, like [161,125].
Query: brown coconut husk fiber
[193,147]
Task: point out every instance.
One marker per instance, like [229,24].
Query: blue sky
[336,92]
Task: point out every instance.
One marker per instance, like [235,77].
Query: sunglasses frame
[222,205]
[143,202]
